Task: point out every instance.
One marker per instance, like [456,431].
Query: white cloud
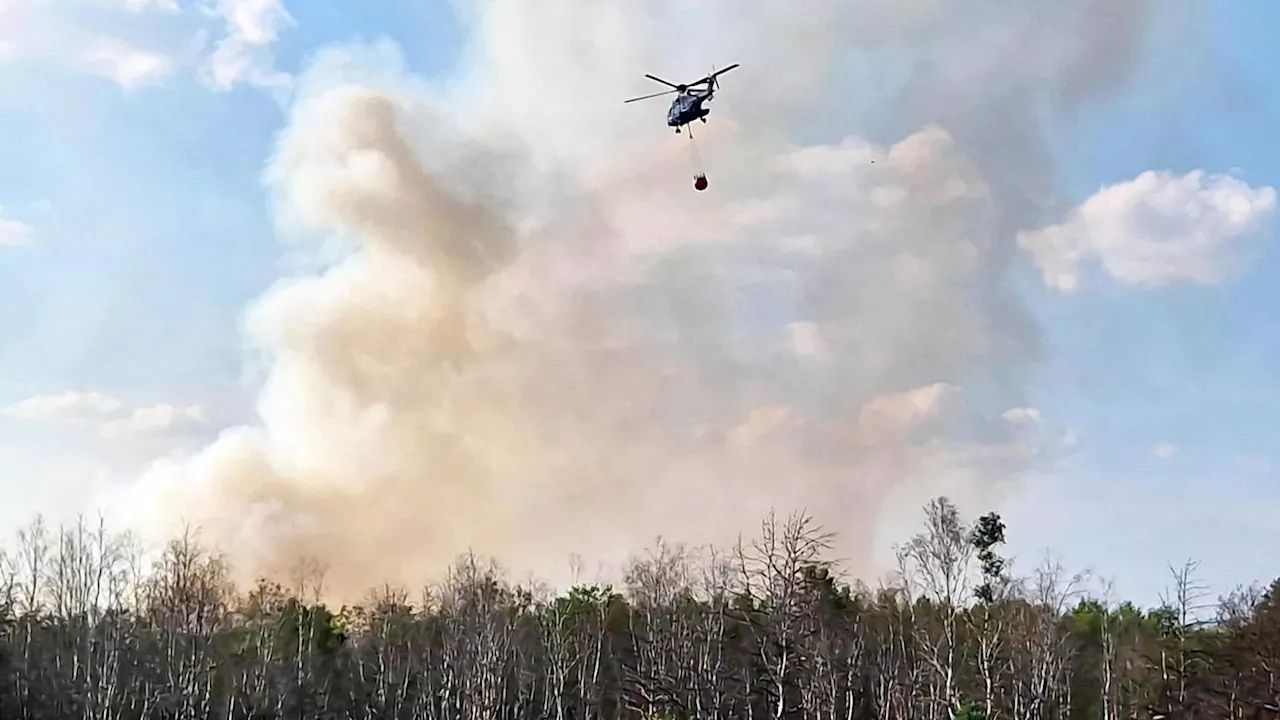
[155,418]
[161,5]
[14,233]
[70,405]
[15,24]
[1154,230]
[1253,464]
[1165,450]
[1023,416]
[110,416]
[806,340]
[71,36]
[244,55]
[126,65]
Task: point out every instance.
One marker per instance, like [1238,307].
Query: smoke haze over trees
[766,629]
[518,315]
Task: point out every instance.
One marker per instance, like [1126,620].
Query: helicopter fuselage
[687,107]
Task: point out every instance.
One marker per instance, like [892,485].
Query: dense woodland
[763,630]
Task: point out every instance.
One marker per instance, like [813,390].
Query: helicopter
[687,105]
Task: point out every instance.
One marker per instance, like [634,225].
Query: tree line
[764,630]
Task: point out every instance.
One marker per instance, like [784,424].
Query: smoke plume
[532,338]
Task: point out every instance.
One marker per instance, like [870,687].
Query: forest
[764,630]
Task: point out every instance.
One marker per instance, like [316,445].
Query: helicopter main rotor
[710,80]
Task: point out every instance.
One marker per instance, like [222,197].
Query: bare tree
[1042,678]
[938,563]
[776,571]
[766,630]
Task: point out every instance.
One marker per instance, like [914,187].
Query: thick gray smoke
[538,340]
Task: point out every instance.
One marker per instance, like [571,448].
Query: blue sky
[1190,367]
[150,233]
